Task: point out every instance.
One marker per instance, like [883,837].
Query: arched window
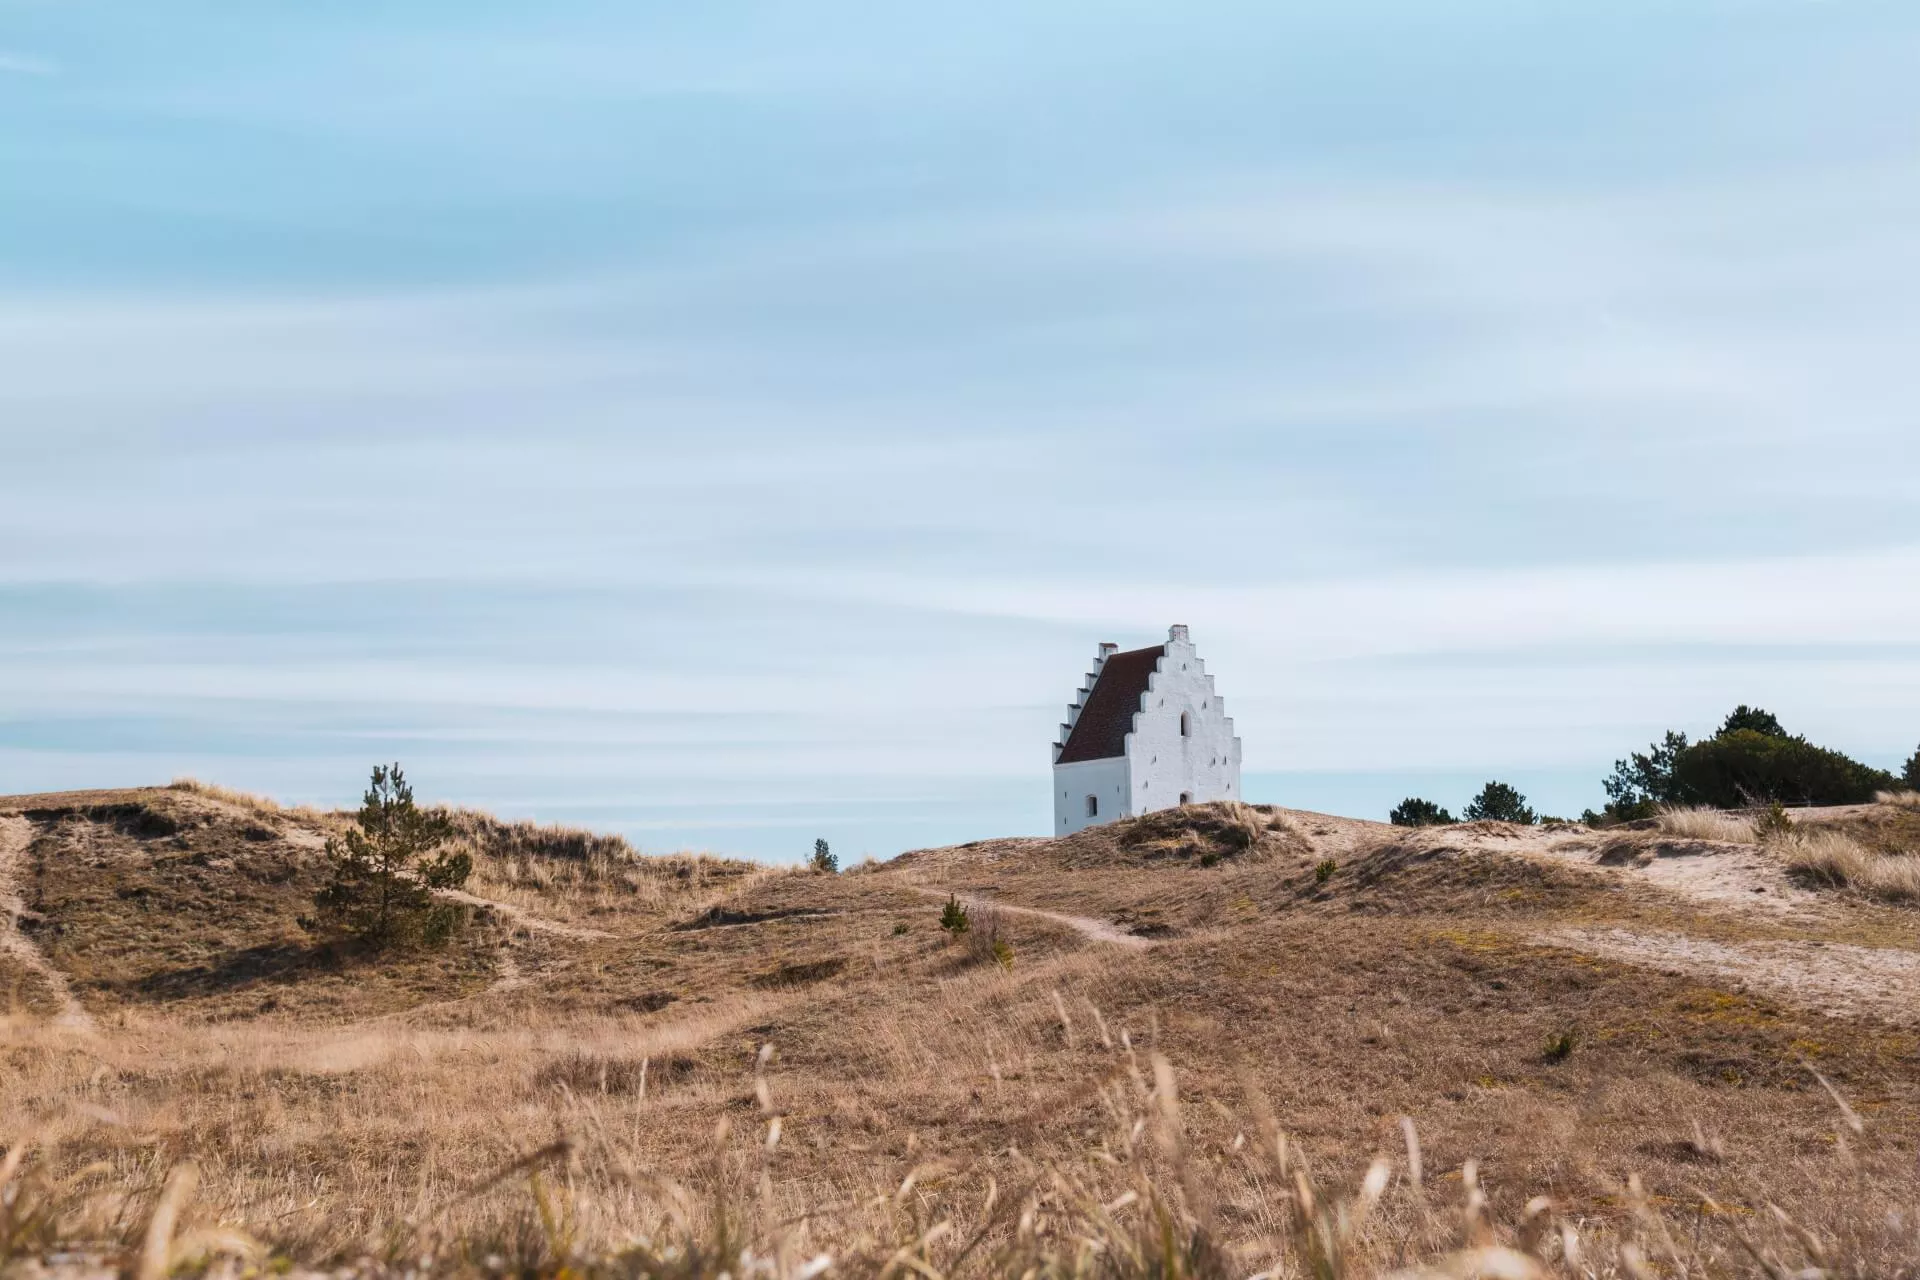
[1186,725]
[1186,797]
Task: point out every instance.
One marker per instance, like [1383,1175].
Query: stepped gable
[1100,732]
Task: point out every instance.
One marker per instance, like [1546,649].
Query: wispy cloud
[846,375]
[21,64]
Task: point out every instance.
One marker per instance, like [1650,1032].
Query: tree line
[1750,762]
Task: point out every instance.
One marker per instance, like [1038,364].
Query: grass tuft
[1837,859]
[1707,824]
[986,937]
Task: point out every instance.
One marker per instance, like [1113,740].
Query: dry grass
[986,938]
[484,833]
[1226,829]
[1835,858]
[1899,799]
[599,1104]
[263,806]
[1707,824]
[573,873]
[1146,1187]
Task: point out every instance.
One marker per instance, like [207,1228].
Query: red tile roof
[1101,731]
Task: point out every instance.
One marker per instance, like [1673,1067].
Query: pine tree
[1911,774]
[1498,802]
[1643,782]
[1753,720]
[1415,812]
[823,859]
[386,867]
[953,917]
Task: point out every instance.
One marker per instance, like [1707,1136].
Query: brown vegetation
[1707,824]
[578,874]
[1835,858]
[1209,1101]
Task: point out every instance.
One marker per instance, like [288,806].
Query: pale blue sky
[734,423]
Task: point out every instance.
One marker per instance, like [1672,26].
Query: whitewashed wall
[1106,780]
[1160,765]
[1206,763]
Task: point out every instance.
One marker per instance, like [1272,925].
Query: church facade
[1146,731]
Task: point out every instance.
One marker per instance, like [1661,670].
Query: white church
[1147,731]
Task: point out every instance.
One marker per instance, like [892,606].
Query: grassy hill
[1662,1030]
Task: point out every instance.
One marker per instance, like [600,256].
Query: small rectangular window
[1093,806]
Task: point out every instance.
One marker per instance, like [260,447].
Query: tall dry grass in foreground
[1141,1198]
[1899,799]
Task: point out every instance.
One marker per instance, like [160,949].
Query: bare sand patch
[1831,978]
[1722,874]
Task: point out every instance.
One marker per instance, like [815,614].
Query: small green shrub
[1773,823]
[1415,812]
[1560,1046]
[1324,870]
[1003,954]
[953,916]
[900,927]
[823,860]
[1498,802]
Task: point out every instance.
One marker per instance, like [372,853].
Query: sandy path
[1086,926]
[15,835]
[1832,978]
[525,919]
